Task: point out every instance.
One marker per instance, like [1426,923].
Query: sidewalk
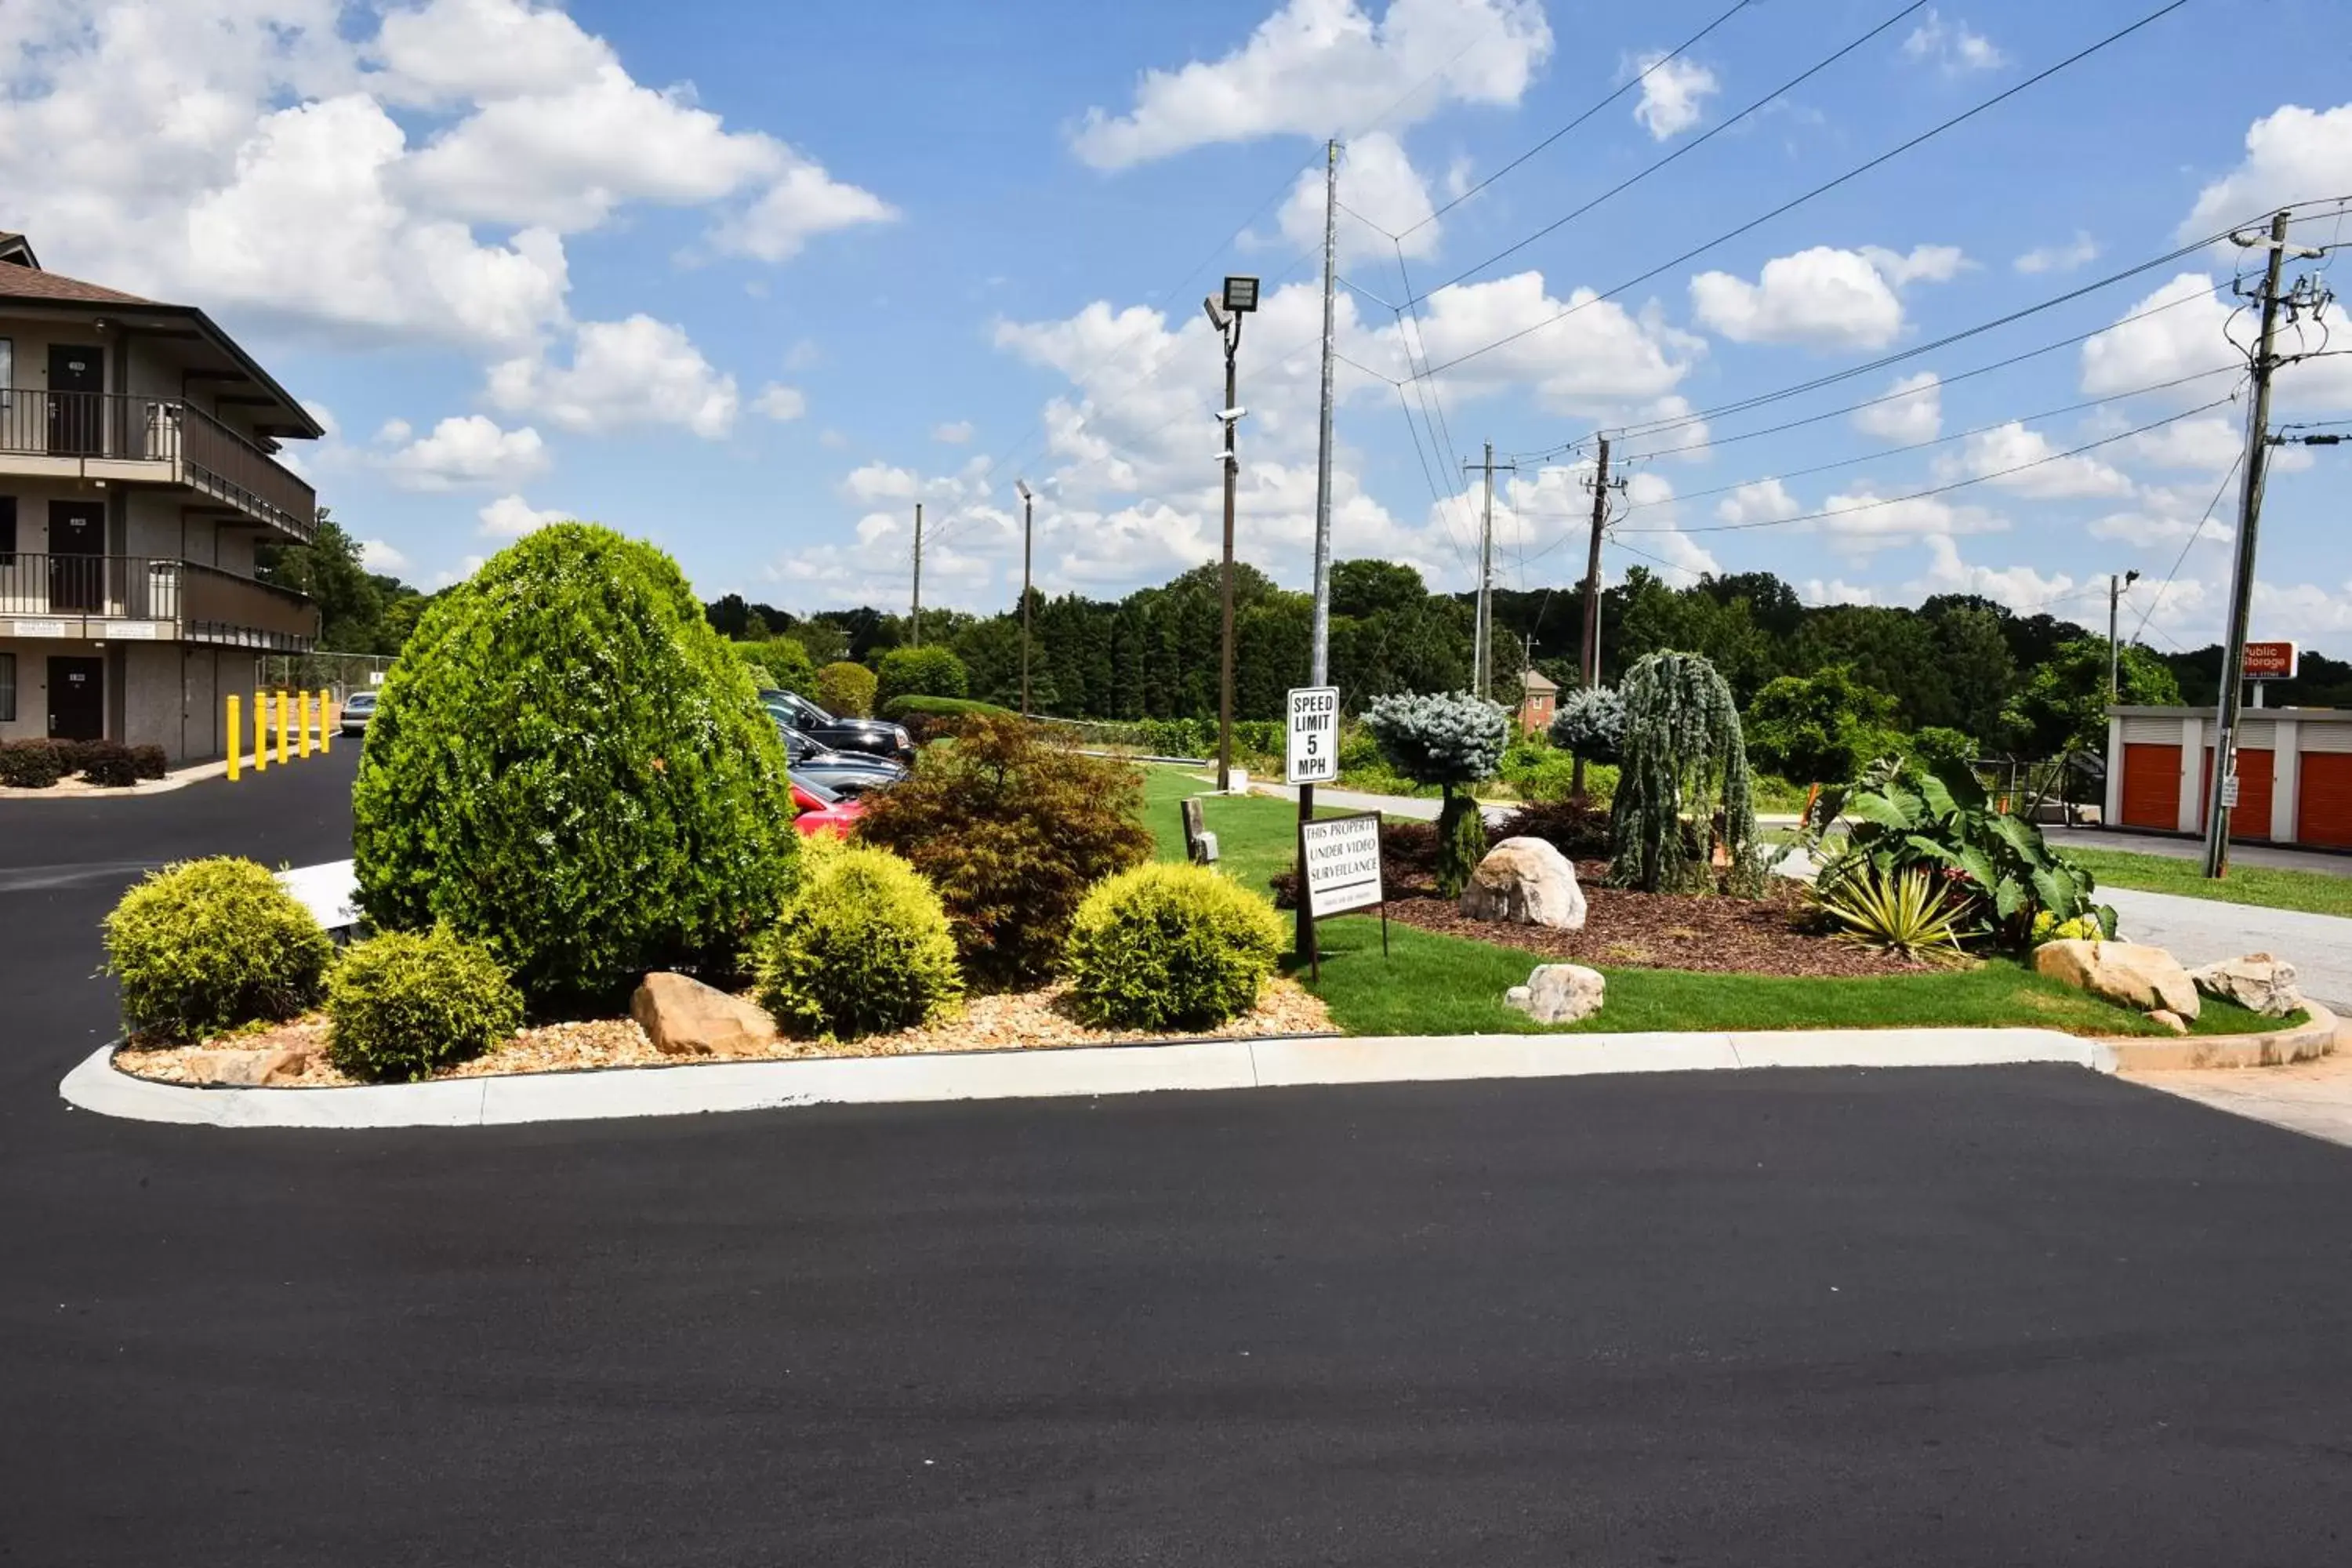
[2313,1097]
[1417,808]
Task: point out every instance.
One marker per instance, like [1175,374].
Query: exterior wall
[32,654]
[32,336]
[2295,772]
[154,700]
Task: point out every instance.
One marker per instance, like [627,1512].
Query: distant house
[1542,696]
[138,471]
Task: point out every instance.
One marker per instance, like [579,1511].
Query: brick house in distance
[1542,695]
[137,474]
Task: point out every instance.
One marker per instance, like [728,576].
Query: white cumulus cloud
[633,372]
[2015,457]
[1673,95]
[1911,411]
[378,555]
[1824,298]
[1384,196]
[2292,155]
[466,449]
[2080,251]
[512,517]
[1316,64]
[1951,44]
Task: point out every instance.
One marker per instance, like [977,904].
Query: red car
[821,811]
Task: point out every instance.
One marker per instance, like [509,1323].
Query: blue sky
[753,279]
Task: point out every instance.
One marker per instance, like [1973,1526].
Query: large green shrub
[862,948]
[1589,723]
[1684,761]
[931,671]
[31,764]
[1451,740]
[1820,729]
[780,664]
[1170,947]
[568,763]
[1012,828]
[205,946]
[405,1003]
[846,689]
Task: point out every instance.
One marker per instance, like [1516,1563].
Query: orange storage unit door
[2252,816]
[2326,799]
[2151,785]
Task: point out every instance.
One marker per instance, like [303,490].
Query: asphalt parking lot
[1960,1315]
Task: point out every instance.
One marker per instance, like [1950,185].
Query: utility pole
[1319,640]
[916,633]
[2242,574]
[1482,639]
[2116,587]
[1028,535]
[1591,653]
[1225,315]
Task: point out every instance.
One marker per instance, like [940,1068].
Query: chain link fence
[339,673]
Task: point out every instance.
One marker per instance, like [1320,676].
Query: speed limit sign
[1310,754]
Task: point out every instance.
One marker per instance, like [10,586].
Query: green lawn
[1432,985]
[2268,887]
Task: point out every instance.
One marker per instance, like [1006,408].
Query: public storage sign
[2272,660]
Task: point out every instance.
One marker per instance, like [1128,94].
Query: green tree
[926,671]
[1686,759]
[846,689]
[352,601]
[1821,728]
[780,663]
[1362,589]
[2062,705]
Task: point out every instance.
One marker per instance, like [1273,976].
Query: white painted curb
[94,1085]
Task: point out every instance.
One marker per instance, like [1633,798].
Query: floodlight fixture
[1216,312]
[1241,294]
[1020,486]
[1227,415]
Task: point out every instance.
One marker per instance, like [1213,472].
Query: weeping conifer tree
[1683,753]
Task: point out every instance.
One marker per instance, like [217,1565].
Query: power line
[1793,203]
[1655,66]
[2194,533]
[1693,145]
[1876,502]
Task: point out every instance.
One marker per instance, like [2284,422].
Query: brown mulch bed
[1014,1021]
[1711,936]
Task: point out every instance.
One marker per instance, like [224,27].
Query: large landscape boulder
[2257,982]
[2127,974]
[247,1069]
[1526,881]
[1559,994]
[684,1018]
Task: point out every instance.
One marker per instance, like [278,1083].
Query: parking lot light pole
[1028,536]
[1225,315]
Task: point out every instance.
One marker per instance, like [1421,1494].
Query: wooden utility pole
[1589,660]
[2241,576]
[1482,639]
[916,634]
[2116,587]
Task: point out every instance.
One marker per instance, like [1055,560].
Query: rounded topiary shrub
[862,948]
[931,671]
[31,764]
[1169,947]
[206,946]
[568,763]
[1451,740]
[846,689]
[405,1003]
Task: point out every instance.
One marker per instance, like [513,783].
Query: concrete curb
[66,790]
[96,1086]
[2315,1036]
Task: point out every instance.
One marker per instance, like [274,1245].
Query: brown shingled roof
[29,283]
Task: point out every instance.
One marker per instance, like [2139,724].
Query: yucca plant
[1906,914]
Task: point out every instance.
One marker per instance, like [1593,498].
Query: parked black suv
[849,774]
[875,737]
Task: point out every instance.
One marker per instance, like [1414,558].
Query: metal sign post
[1339,870]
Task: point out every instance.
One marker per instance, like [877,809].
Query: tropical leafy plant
[1684,754]
[1451,740]
[1910,914]
[1904,819]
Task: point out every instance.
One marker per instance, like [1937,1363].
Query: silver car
[358,709]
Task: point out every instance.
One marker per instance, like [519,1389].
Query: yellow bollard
[302,701]
[283,704]
[260,731]
[236,736]
[326,720]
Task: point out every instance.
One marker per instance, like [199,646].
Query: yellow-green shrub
[1168,946]
[204,946]
[862,948]
[407,1002]
[846,689]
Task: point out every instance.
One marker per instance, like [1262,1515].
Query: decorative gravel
[1015,1021]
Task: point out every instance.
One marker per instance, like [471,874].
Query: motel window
[8,374]
[7,687]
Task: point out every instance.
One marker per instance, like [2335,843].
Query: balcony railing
[93,595]
[198,450]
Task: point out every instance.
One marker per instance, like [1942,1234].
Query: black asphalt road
[1951,1317]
